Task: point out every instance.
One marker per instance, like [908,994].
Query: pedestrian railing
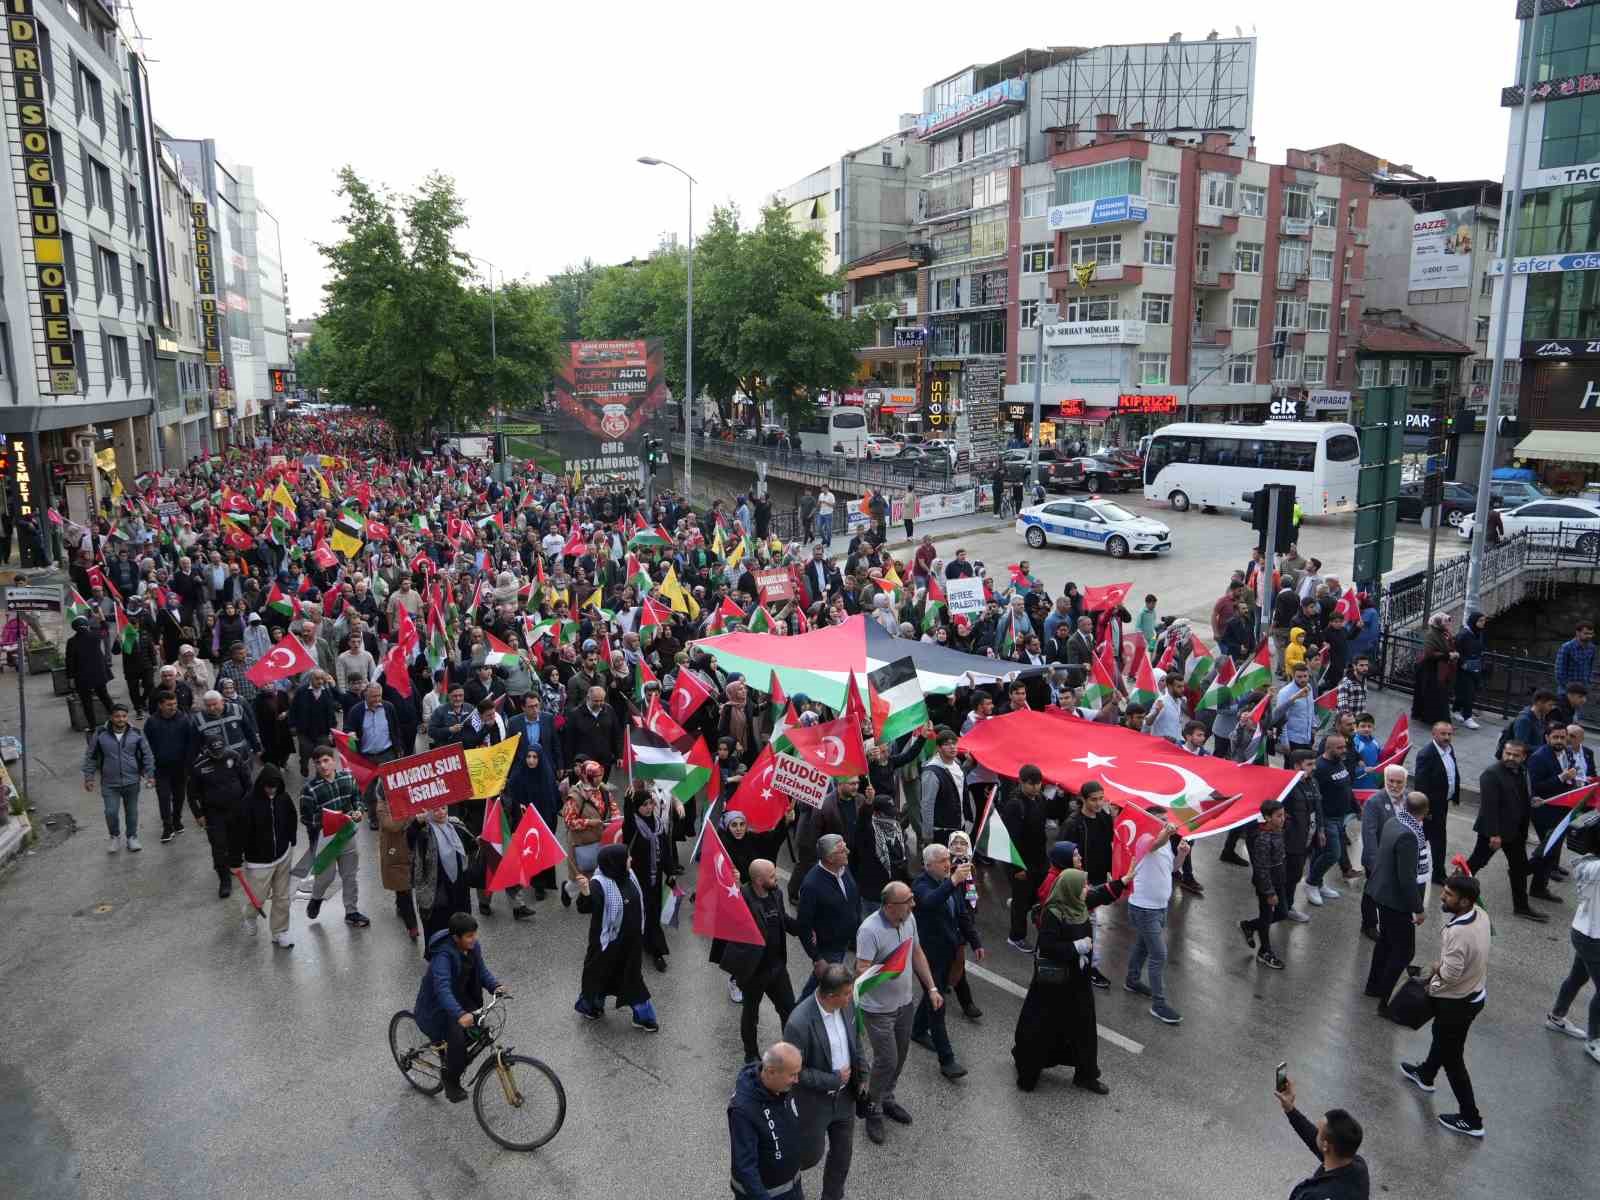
[1506,682]
[1407,598]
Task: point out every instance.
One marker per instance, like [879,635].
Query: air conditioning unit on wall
[77,456]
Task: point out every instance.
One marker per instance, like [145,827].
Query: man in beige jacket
[1456,984]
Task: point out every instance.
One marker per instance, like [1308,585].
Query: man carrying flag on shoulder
[330,809]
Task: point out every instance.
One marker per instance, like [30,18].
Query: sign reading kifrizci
[431,779]
[799,780]
[774,585]
[964,596]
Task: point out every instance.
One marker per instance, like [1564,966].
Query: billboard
[1441,249]
[612,387]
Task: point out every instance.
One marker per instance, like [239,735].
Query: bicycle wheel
[414,1055]
[521,1108]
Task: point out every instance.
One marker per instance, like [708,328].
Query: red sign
[612,387]
[1147,404]
[775,585]
[431,779]
[1073,408]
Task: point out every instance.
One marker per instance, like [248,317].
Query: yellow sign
[490,767]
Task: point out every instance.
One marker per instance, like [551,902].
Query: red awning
[1090,416]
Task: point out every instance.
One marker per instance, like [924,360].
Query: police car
[1094,523]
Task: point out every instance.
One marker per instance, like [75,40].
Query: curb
[14,838]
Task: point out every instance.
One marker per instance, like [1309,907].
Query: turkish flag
[394,669]
[284,661]
[533,849]
[406,635]
[720,910]
[761,803]
[659,723]
[238,539]
[853,708]
[1201,793]
[689,692]
[1398,743]
[1134,833]
[834,748]
[1110,595]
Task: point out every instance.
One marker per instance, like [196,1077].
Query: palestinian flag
[651,756]
[498,653]
[1102,685]
[994,840]
[127,632]
[642,676]
[933,607]
[338,831]
[897,703]
[1257,673]
[77,606]
[1256,753]
[1008,639]
[697,774]
[438,644]
[761,621]
[652,539]
[1220,692]
[775,695]
[1327,708]
[727,611]
[419,522]
[634,573]
[497,828]
[878,974]
[1202,665]
[284,606]
[1143,692]
[348,744]
[652,615]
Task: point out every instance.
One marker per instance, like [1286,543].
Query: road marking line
[1017,990]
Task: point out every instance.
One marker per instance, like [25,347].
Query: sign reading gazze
[1104,211]
[1441,248]
[1094,333]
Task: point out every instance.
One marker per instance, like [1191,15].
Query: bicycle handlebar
[495,998]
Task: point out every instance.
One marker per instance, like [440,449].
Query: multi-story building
[183,412]
[266,293]
[81,300]
[1554,275]
[885,281]
[1396,350]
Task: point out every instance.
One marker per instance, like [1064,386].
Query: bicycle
[529,1088]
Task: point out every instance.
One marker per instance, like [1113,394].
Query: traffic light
[1260,509]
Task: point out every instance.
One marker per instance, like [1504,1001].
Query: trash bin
[80,723]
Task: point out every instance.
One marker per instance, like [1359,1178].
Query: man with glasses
[886,1001]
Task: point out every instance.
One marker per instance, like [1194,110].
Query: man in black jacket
[592,731]
[1023,813]
[260,838]
[87,668]
[313,715]
[763,971]
[174,744]
[1396,890]
[1090,829]
[220,778]
[1336,1140]
[764,1126]
[829,910]
[831,1073]
[1439,779]
[1504,814]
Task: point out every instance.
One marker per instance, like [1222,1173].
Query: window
[69,253]
[1369,372]
[835,241]
[1297,203]
[102,187]
[124,129]
[1344,322]
[1291,258]
[1202,255]
[1106,250]
[92,99]
[119,352]
[1154,368]
[887,157]
[1090,308]
[1036,200]
[1246,314]
[108,274]
[1486,285]
[147,360]
[1399,374]
[107,362]
[835,199]
[1481,369]
[81,357]
[1038,256]
[1156,309]
[1252,200]
[131,200]
[1160,249]
[1162,187]
[1027,367]
[138,286]
[1120,178]
[1482,331]
[1316,368]
[1218,191]
[1324,212]
[47,58]
[1322,264]
[1317,318]
[1247,258]
[1286,367]
[1243,368]
[1027,313]
[1288,314]
[1441,371]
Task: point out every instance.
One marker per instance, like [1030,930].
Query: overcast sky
[539,110]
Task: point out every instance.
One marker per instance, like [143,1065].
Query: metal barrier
[1505,686]
[1405,600]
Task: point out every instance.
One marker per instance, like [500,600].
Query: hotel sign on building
[206,281]
[29,139]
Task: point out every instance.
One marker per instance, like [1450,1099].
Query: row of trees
[406,321]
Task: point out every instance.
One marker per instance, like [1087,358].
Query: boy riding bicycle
[451,989]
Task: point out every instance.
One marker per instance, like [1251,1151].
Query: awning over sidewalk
[1572,445]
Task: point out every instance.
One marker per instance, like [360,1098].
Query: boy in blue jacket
[451,989]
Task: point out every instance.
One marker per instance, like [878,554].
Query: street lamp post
[494,355]
[688,339]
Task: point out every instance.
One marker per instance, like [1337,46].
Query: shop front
[1559,414]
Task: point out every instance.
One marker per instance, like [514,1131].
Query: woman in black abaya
[653,857]
[612,964]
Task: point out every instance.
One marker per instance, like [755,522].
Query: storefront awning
[1090,416]
[886,267]
[1560,444]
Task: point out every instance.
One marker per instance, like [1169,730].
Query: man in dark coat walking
[1504,814]
[87,668]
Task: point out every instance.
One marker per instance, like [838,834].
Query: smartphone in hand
[1283,1076]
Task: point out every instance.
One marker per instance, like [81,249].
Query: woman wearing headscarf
[612,965]
[1436,672]
[440,865]
[532,782]
[1469,667]
[878,853]
[646,832]
[960,847]
[1057,1024]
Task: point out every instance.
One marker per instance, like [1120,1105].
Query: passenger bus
[831,427]
[1215,466]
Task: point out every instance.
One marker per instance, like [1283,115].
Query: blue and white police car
[1093,523]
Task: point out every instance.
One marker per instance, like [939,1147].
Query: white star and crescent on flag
[1092,760]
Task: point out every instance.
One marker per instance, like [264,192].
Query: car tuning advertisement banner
[1441,249]
[612,387]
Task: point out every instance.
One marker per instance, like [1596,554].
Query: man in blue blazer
[829,910]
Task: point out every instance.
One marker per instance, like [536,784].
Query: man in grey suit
[831,1073]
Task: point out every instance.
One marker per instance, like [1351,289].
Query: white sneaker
[1314,895]
[1562,1025]
[282,941]
[1329,893]
[133,844]
[734,994]
[1298,917]
[116,843]
[1471,724]
[249,924]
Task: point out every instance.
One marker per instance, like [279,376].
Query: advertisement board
[612,387]
[1441,248]
[1107,210]
[1094,333]
[431,779]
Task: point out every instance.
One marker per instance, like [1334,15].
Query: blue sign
[1108,210]
[1541,264]
[913,336]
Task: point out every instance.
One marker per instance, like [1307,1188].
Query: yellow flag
[322,484]
[694,607]
[717,548]
[594,600]
[281,495]
[577,479]
[738,553]
[342,543]
[490,767]
[892,578]
[672,591]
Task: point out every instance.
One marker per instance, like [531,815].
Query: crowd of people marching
[287,619]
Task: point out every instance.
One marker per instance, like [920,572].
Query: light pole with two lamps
[688,340]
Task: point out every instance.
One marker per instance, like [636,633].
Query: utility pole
[1047,313]
[688,340]
[1502,302]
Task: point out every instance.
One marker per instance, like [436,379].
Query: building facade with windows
[1553,270]
[81,292]
[183,409]
[1396,350]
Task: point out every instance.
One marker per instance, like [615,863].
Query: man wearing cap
[87,668]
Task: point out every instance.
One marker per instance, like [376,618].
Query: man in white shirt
[825,504]
[823,1027]
[1166,716]
[1147,909]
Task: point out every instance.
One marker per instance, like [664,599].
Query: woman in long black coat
[1057,1026]
[1436,672]
[532,782]
[612,966]
[653,857]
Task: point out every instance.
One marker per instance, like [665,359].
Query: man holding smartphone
[1336,1140]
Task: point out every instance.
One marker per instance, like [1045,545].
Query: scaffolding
[1172,87]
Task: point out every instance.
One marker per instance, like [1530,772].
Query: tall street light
[688,339]
[494,357]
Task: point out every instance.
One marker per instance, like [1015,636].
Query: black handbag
[1411,1006]
[1049,972]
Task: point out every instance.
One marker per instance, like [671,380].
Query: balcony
[1360,237]
[905,307]
[1210,277]
[1107,274]
[1212,216]
[1204,334]
[1292,278]
[1295,226]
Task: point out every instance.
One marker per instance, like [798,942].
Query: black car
[1061,474]
[1015,464]
[1102,473]
[1459,500]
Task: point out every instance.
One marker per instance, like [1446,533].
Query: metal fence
[1405,601]
[937,474]
[1505,685]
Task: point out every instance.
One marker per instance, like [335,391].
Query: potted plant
[42,655]
[60,684]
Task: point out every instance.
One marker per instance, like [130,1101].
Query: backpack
[1510,732]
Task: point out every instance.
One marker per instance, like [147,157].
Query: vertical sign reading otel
[206,281]
[37,212]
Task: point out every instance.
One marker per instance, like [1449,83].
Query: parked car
[877,446]
[1508,493]
[1104,474]
[1578,522]
[1015,463]
[1459,500]
[1062,474]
